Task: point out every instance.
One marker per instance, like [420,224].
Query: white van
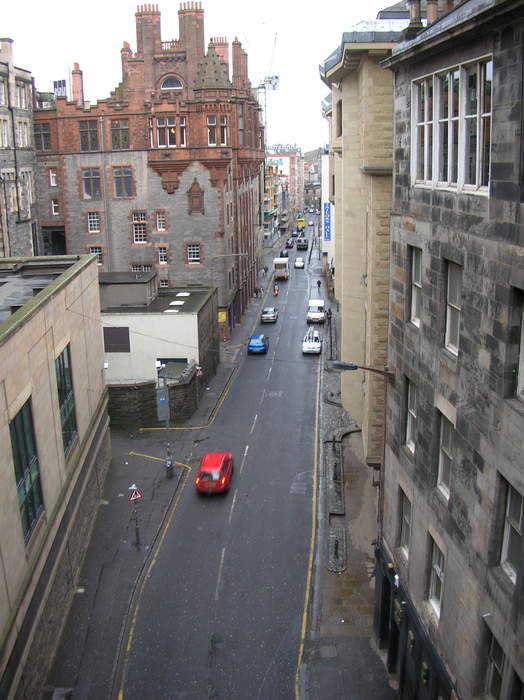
[316,311]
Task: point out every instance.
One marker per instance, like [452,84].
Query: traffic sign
[135,496]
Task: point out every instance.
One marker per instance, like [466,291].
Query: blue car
[258,344]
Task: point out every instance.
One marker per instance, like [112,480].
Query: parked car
[316,311]
[312,343]
[290,243]
[214,473]
[299,262]
[258,344]
[269,314]
[302,243]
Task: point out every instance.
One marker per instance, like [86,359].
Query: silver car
[269,314]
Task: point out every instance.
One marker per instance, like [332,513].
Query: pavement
[339,660]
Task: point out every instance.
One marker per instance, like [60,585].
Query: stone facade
[175,153]
[19,235]
[54,453]
[450,561]
[361,184]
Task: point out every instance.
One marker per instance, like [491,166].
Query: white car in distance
[299,263]
[312,343]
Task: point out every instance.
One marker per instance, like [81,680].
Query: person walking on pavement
[319,284]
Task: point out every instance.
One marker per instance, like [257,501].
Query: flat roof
[175,300]
[26,283]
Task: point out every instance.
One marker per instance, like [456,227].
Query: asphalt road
[220,609]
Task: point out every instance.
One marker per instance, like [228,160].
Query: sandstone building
[360,184]
[450,554]
[54,453]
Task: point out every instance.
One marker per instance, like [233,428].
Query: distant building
[288,162]
[166,173]
[272,203]
[54,453]
[19,233]
[312,181]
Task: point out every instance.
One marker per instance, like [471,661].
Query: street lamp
[163,400]
[345,366]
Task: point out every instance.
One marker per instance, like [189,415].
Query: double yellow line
[312,543]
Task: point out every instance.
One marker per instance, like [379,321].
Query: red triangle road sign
[135,496]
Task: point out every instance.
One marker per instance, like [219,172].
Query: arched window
[171,83]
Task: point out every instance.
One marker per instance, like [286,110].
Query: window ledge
[443,492]
[409,450]
[501,582]
[517,404]
[434,608]
[462,189]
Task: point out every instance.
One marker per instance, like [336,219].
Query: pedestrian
[256,292]
[319,284]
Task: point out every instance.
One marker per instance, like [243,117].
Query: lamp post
[330,320]
[345,366]
[389,376]
[163,403]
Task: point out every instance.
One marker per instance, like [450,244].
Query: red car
[214,473]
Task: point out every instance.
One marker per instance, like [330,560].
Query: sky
[286,38]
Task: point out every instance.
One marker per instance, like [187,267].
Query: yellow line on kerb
[149,569]
[158,459]
[214,414]
[312,540]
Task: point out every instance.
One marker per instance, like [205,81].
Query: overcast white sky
[288,38]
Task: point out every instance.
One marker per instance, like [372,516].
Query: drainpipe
[15,155]
[7,240]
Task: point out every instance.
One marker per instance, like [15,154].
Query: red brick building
[164,174]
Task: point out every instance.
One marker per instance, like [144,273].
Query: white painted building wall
[152,336]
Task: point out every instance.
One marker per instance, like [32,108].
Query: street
[220,608]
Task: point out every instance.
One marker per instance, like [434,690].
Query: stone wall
[60,576]
[482,233]
[135,404]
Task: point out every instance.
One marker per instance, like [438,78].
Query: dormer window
[171,83]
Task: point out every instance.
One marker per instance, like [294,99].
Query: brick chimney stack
[148,41]
[237,63]
[191,37]
[147,18]
[125,55]
[431,11]
[245,73]
[415,23]
[221,46]
[78,85]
